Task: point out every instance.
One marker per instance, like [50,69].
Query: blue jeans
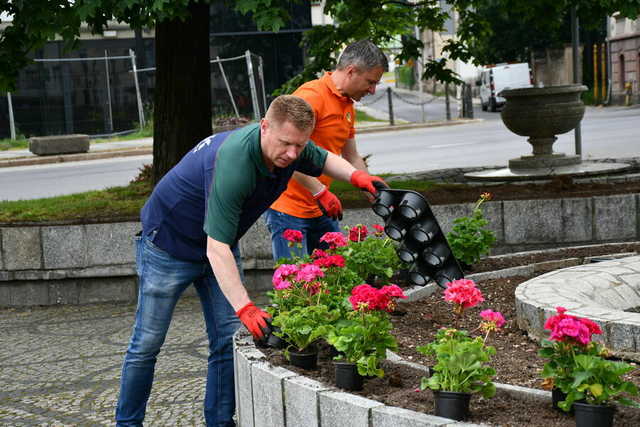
[162,279]
[312,230]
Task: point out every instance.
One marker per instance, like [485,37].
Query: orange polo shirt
[335,117]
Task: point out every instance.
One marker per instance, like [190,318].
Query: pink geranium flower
[358,233]
[308,273]
[335,239]
[493,319]
[572,329]
[464,294]
[282,273]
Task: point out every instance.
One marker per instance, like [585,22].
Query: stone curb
[271,395]
[287,398]
[386,128]
[105,154]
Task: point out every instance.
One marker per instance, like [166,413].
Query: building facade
[623,37]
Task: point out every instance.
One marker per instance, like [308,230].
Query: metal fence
[109,95]
[420,107]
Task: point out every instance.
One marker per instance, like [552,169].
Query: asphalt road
[611,132]
[606,132]
[56,179]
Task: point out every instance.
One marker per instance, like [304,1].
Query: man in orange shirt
[359,70]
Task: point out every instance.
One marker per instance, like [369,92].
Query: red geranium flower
[358,233]
[294,236]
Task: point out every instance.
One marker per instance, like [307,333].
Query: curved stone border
[268,396]
[601,292]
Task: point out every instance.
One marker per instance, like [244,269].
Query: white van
[495,78]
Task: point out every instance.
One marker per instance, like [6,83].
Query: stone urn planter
[541,114]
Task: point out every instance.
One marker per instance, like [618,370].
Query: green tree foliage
[515,31]
[37,21]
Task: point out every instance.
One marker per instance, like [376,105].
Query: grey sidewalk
[60,366]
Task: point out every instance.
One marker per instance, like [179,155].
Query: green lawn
[119,203]
[361,116]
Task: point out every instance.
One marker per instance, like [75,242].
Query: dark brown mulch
[531,257]
[516,361]
[562,187]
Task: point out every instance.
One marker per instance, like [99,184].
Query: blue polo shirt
[219,188]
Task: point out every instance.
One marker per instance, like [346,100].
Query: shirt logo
[348,116]
[203,143]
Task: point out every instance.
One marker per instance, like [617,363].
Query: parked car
[493,79]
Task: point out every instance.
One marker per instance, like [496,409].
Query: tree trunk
[182,101]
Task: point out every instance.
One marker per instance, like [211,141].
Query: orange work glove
[364,181]
[329,204]
[254,319]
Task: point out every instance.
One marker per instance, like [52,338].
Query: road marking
[452,145]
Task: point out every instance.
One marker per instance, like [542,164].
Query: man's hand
[254,319]
[329,204]
[364,181]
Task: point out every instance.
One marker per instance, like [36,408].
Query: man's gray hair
[364,55]
[292,109]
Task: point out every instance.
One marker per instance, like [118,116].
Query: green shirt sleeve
[312,160]
[234,179]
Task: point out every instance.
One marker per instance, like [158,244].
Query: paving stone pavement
[60,366]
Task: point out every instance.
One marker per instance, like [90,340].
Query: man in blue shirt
[191,225]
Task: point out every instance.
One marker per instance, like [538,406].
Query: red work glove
[254,319]
[364,181]
[329,204]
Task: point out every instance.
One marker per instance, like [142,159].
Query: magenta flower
[282,273]
[572,329]
[308,273]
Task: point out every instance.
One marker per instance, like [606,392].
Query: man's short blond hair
[292,109]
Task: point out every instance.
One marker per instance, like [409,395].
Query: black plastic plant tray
[423,246]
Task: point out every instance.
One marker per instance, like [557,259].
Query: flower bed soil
[515,260]
[516,361]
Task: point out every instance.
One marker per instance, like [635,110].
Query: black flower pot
[396,227]
[306,359]
[384,204]
[593,415]
[409,251]
[411,206]
[275,341]
[347,376]
[452,405]
[558,396]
